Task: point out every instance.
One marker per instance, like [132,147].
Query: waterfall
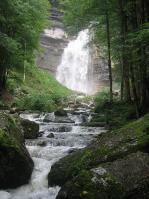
[73,69]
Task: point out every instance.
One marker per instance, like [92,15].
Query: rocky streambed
[71,160]
[59,134]
[114,166]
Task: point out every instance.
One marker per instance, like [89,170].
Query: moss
[16,164]
[74,171]
[107,148]
[115,114]
[8,141]
[84,187]
[99,118]
[30,129]
[120,179]
[5,140]
[82,163]
[11,126]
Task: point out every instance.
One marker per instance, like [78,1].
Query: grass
[115,114]
[40,90]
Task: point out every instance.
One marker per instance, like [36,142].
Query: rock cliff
[53,41]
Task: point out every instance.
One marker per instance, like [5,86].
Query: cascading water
[45,151]
[73,70]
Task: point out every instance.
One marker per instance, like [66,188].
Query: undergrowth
[115,114]
[39,91]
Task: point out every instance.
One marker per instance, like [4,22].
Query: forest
[74,99]
[121,28]
[21,24]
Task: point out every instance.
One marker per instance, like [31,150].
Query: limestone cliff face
[53,41]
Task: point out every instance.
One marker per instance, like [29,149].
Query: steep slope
[39,91]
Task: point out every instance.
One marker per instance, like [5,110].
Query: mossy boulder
[30,129]
[115,115]
[108,147]
[61,112]
[122,179]
[16,164]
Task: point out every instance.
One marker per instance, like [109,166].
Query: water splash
[55,148]
[73,70]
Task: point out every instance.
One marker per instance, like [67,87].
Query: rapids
[46,151]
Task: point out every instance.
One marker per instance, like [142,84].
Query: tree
[21,22]
[122,28]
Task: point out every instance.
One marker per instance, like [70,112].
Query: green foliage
[101,98]
[108,147]
[114,114]
[9,132]
[21,23]
[128,35]
[40,90]
[37,102]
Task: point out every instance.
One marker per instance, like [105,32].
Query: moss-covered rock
[16,164]
[122,179]
[60,112]
[30,129]
[108,147]
[115,114]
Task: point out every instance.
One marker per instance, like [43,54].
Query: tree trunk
[3,76]
[136,100]
[109,55]
[125,65]
[143,63]
[122,81]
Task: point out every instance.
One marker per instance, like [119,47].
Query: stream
[66,134]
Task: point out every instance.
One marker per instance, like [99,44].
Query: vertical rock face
[53,41]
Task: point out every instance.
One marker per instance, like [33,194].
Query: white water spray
[73,70]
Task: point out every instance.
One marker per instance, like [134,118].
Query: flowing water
[73,70]
[46,151]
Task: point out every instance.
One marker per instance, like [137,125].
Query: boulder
[64,129]
[61,112]
[61,129]
[16,164]
[63,170]
[107,147]
[60,119]
[30,129]
[122,179]
[42,143]
[40,133]
[51,135]
[49,117]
